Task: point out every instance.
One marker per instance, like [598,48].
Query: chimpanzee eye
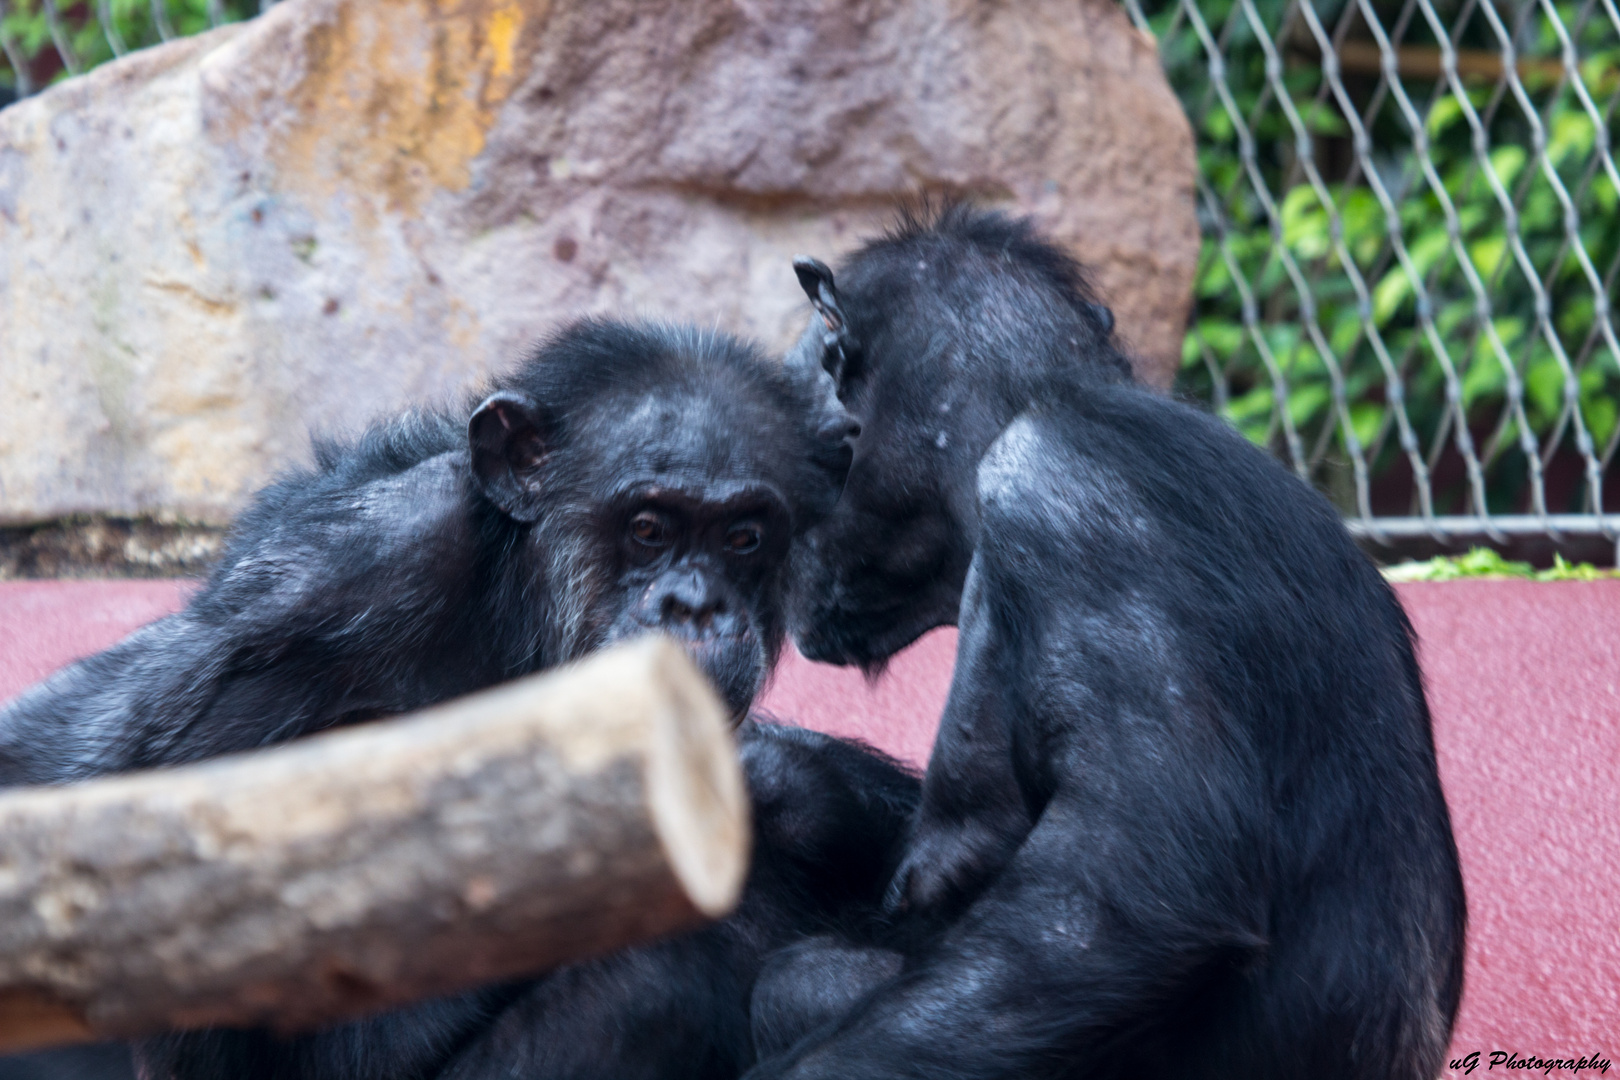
[742,539]
[650,528]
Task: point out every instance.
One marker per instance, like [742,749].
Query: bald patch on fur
[1028,475]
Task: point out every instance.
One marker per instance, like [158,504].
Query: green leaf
[1478,563]
[1544,386]
[1541,209]
[1433,244]
[1250,413]
[1363,220]
[1600,413]
[1482,561]
[1282,339]
[1192,355]
[1572,133]
[1484,378]
[1306,401]
[1471,216]
[1446,112]
[1390,292]
[1486,563]
[1487,254]
[1604,191]
[1575,317]
[1305,223]
[1454,315]
[1366,418]
[1223,336]
[1566,571]
[1510,328]
[1507,161]
[1302,361]
[1324,119]
[1214,279]
[1346,330]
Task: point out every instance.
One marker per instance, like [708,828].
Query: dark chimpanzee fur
[626,479]
[830,828]
[1183,816]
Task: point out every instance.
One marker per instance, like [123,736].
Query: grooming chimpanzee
[626,479]
[1183,816]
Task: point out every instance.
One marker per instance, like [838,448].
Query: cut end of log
[534,824]
[695,786]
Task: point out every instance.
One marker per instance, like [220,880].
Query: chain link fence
[1411,244]
[45,40]
[1412,239]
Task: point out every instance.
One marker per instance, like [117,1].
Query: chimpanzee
[627,478]
[1183,816]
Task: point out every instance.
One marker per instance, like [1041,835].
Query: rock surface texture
[210,249]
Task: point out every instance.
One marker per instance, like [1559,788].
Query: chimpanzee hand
[944,868]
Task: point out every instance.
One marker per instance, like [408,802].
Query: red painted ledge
[1524,683]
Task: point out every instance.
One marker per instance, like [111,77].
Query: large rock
[209,249]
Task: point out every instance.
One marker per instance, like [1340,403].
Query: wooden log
[524,827]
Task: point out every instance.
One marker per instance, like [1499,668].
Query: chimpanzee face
[655,510]
[888,563]
[699,530]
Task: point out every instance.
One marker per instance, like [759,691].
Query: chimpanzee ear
[507,439]
[816,279]
[817,365]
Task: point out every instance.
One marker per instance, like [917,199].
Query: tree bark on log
[531,825]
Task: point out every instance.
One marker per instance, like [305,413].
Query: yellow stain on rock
[398,96]
[504,26]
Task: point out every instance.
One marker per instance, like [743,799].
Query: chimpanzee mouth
[867,640]
[735,665]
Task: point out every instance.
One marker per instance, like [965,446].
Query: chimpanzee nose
[687,601]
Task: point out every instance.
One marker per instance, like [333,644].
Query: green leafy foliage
[134,22]
[1486,563]
[1430,249]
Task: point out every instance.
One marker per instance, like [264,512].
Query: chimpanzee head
[936,335]
[655,477]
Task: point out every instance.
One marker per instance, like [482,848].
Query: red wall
[1524,682]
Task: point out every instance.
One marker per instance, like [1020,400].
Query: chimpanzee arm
[406,1044]
[1139,877]
[330,605]
[1057,953]
[811,983]
[676,1009]
[974,811]
[829,822]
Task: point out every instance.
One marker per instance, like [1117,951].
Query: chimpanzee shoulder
[388,494]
